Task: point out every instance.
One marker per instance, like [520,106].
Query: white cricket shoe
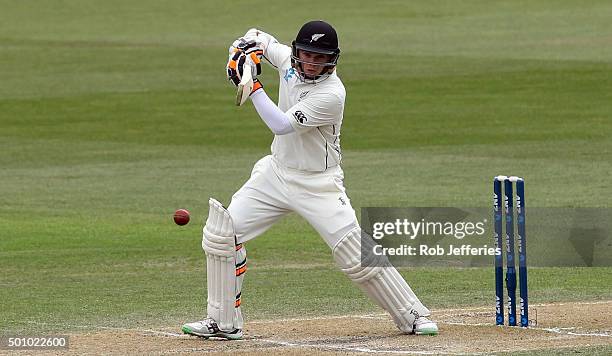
[424,326]
[208,328]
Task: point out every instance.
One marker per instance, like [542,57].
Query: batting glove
[239,51]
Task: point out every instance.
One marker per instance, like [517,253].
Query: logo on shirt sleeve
[300,117]
[288,74]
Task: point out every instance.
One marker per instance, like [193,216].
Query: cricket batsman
[302,175]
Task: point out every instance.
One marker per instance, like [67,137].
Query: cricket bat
[246,84]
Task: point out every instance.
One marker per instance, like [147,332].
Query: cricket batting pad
[378,279]
[225,267]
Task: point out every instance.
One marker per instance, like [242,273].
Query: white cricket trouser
[273,191]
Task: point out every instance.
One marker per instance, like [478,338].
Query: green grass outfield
[113,114]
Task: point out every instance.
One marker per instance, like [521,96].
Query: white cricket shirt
[316,112]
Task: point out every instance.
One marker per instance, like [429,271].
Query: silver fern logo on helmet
[316,36]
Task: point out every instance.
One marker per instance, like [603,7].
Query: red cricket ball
[181,217]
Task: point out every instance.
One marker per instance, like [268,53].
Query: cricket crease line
[295,344]
[361,349]
[563,331]
[556,330]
